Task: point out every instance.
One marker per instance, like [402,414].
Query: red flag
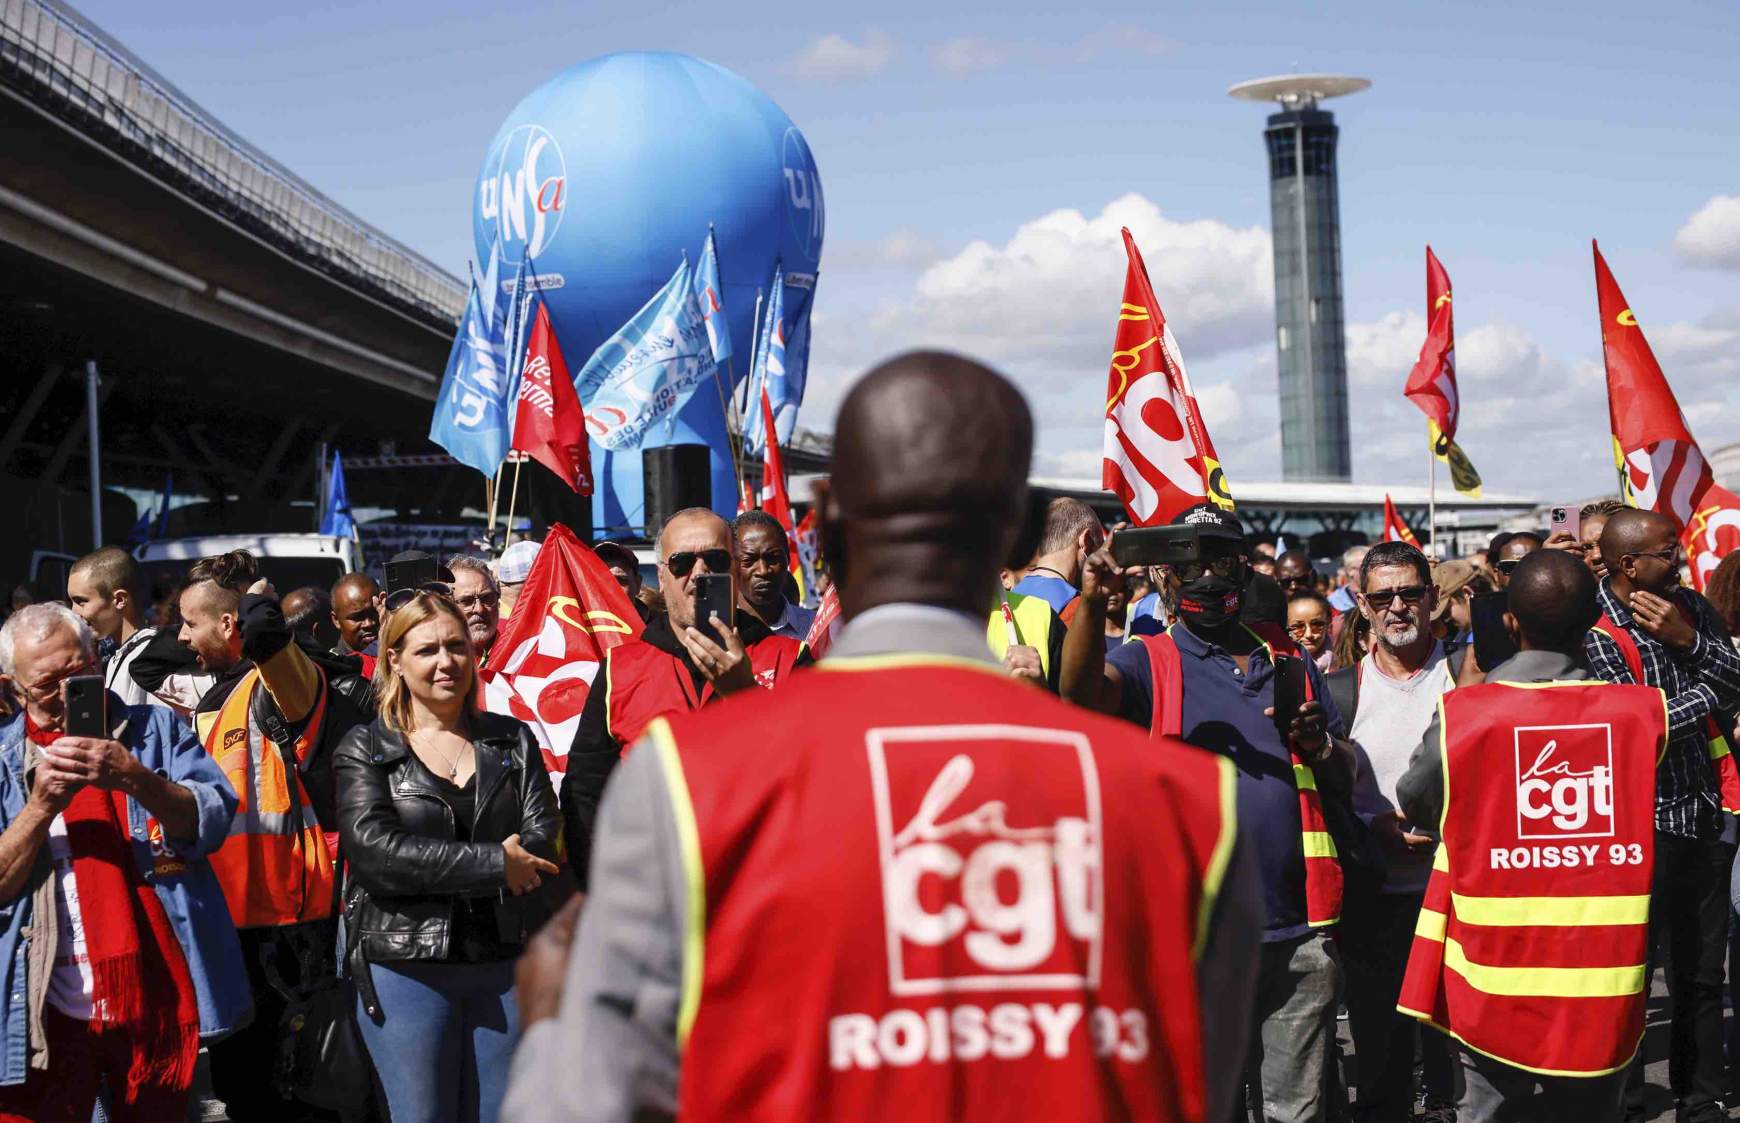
[1395,530]
[774,499]
[826,624]
[549,425]
[1432,383]
[1660,465]
[569,613]
[1158,458]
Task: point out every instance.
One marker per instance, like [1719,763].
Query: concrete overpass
[239,317]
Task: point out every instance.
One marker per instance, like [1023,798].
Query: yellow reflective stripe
[1544,982]
[1303,778]
[1441,860]
[1718,747]
[905,659]
[1213,876]
[689,843]
[1553,912]
[1318,844]
[1430,926]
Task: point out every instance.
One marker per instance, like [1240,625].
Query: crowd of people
[1040,836]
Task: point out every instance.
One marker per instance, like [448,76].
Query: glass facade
[1305,217]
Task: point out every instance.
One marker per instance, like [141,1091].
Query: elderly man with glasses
[679,663]
[479,599]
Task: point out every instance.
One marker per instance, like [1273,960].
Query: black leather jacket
[397,835]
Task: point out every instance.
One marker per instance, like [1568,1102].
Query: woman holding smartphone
[448,822]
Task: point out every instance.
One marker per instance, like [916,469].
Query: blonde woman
[448,823]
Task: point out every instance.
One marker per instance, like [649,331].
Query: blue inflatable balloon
[608,174]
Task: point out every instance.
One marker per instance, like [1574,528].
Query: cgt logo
[990,851]
[1564,781]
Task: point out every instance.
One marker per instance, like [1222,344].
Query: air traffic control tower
[1305,219]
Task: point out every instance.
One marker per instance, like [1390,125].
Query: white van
[289,561]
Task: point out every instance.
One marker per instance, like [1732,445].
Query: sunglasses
[1507,565]
[681,562]
[1671,554]
[1383,598]
[1225,566]
[399,598]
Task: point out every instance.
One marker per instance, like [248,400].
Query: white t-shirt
[179,692]
[1391,718]
[69,986]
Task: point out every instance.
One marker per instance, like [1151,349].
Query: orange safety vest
[1532,945]
[275,867]
[1323,877]
[1721,754]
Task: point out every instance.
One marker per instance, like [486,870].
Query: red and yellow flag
[1395,530]
[1158,457]
[1660,465]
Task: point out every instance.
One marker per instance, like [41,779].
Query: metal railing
[57,59]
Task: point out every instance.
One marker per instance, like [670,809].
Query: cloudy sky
[979,161]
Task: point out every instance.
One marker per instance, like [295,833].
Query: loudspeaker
[675,477]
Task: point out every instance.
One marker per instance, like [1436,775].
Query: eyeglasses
[1507,565]
[1295,580]
[44,691]
[681,562]
[1224,566]
[1670,555]
[1383,598]
[1305,627]
[486,600]
[399,598]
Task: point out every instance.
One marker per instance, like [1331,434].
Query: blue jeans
[445,1039]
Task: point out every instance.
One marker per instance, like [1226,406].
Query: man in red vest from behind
[674,667]
[904,886]
[1532,945]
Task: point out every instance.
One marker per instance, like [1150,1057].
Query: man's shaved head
[1552,597]
[1631,531]
[931,453]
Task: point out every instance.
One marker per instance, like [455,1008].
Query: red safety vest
[647,683]
[1533,943]
[951,896]
[1323,879]
[1721,754]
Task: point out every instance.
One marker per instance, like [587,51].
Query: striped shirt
[1701,682]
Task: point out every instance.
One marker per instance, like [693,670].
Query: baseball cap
[1451,577]
[610,551]
[1211,522]
[515,563]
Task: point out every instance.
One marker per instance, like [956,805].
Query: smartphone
[1566,519]
[1289,692]
[412,574]
[1156,545]
[86,706]
[1492,643]
[712,598]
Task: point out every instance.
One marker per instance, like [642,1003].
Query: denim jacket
[185,884]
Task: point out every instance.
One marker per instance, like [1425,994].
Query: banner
[1395,529]
[472,409]
[826,625]
[337,519]
[647,370]
[1158,457]
[766,365]
[569,613]
[710,295]
[774,498]
[1661,467]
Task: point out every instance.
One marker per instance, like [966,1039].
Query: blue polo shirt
[1223,713]
[1048,587]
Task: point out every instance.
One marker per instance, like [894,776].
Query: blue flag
[710,295]
[336,519]
[163,506]
[767,368]
[649,368]
[473,413]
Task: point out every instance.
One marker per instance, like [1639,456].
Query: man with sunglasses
[1210,680]
[1657,632]
[1512,550]
[1388,698]
[679,663]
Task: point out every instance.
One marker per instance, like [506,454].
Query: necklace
[1051,571]
[452,765]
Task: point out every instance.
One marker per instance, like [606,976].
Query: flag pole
[1431,492]
[491,493]
[513,499]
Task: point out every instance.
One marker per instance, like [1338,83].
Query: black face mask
[1210,601]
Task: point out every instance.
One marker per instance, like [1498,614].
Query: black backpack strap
[1343,687]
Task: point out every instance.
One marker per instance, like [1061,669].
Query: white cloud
[1712,236]
[968,55]
[833,56]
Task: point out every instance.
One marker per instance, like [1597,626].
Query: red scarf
[140,984]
